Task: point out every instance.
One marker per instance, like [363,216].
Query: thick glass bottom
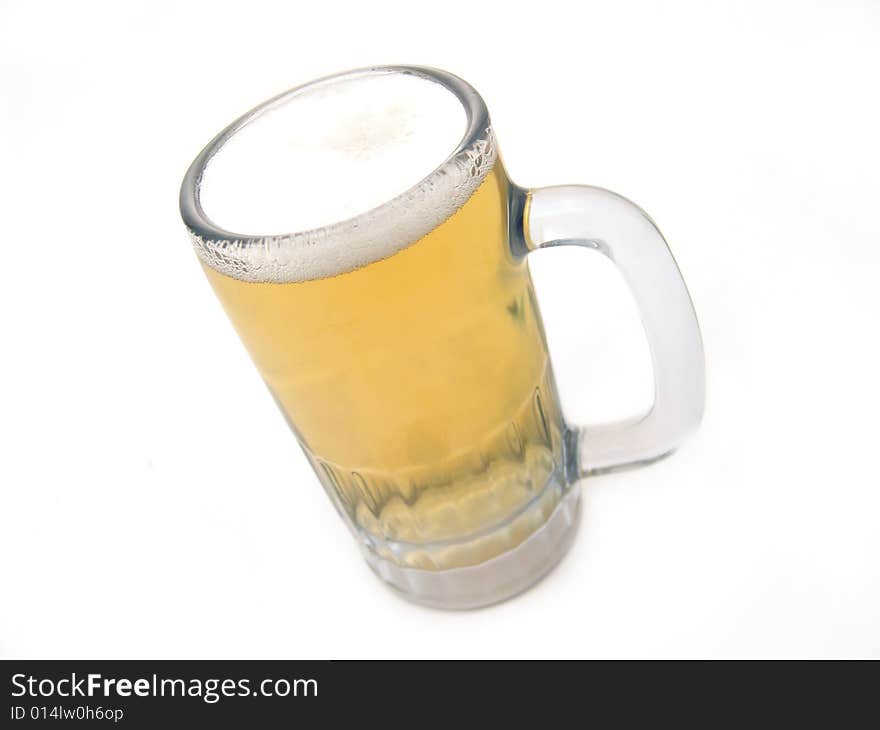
[494,580]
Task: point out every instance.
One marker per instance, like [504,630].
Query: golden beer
[368,246]
[419,386]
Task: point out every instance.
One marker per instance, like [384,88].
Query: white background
[152,500]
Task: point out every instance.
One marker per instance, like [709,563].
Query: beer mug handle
[581,215]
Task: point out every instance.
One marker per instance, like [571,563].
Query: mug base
[492,581]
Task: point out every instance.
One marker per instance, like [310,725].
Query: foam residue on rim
[338,174]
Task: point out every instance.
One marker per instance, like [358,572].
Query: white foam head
[337,174]
[331,153]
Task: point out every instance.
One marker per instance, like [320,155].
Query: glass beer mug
[365,240]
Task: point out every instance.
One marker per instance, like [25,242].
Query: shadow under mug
[405,346]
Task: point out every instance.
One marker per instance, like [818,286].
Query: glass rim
[215,244]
